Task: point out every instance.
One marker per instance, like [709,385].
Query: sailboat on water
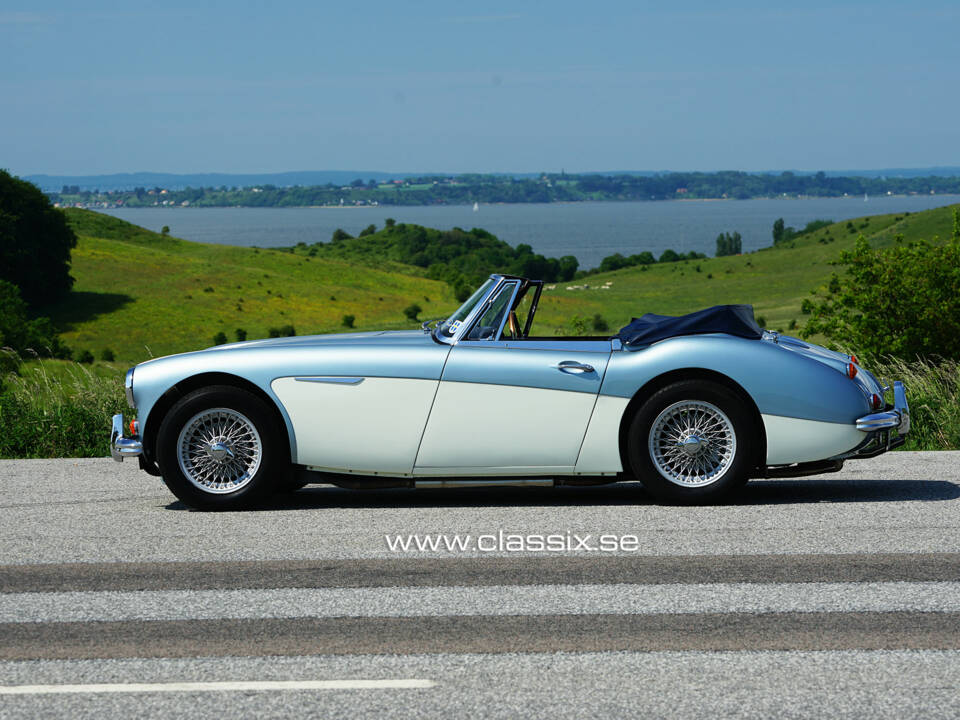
[476,207]
[865,197]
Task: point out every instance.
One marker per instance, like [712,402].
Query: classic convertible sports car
[690,406]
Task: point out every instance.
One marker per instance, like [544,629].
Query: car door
[512,407]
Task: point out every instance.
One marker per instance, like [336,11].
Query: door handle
[573,367]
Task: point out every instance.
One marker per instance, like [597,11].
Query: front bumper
[120,446]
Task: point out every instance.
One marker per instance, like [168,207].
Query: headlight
[128,386]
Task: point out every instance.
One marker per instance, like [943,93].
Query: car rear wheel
[219,448]
[692,442]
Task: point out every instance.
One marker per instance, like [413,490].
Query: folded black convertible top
[731,319]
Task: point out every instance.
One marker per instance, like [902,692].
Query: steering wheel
[514,325]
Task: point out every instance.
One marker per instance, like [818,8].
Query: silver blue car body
[452,402]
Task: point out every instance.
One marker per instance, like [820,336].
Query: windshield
[448,328]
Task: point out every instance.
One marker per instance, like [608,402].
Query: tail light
[851,371]
[853,359]
[876,402]
[134,428]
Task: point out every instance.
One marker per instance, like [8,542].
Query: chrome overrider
[897,418]
[120,446]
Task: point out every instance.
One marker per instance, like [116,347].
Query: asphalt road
[830,596]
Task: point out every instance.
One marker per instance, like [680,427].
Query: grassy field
[141,294]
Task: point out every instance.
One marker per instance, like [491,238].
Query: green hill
[774,280]
[141,294]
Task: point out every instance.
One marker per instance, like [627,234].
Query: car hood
[383,337]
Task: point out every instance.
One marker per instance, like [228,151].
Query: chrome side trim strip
[331,379]
[484,482]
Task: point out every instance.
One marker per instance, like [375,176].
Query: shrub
[282,331]
[240,334]
[220,338]
[85,357]
[599,324]
[46,415]
[348,321]
[900,301]
[412,311]
[107,355]
[761,320]
[21,334]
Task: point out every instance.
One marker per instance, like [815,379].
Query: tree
[669,256]
[778,227]
[368,230]
[728,244]
[568,268]
[220,338]
[348,321]
[240,334]
[165,230]
[35,242]
[900,301]
[85,357]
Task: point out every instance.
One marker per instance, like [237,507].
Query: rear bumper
[120,446]
[885,430]
[895,417]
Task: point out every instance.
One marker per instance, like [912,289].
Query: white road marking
[488,600]
[241,686]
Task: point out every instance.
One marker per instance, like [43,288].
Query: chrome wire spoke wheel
[219,450]
[692,443]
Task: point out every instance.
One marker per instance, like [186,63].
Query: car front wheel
[692,442]
[219,448]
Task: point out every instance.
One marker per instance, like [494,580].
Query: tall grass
[54,409]
[58,410]
[933,391]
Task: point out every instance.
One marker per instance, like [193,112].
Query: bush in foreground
[46,414]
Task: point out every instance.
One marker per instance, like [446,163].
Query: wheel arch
[184,387]
[668,378]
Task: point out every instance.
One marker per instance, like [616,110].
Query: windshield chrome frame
[474,313]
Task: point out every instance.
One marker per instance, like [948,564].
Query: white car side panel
[475,425]
[375,425]
[601,446]
[790,440]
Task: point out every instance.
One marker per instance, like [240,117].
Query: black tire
[721,466]
[269,472]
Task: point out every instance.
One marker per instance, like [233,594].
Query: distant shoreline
[100,206]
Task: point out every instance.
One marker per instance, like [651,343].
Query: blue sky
[100,87]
